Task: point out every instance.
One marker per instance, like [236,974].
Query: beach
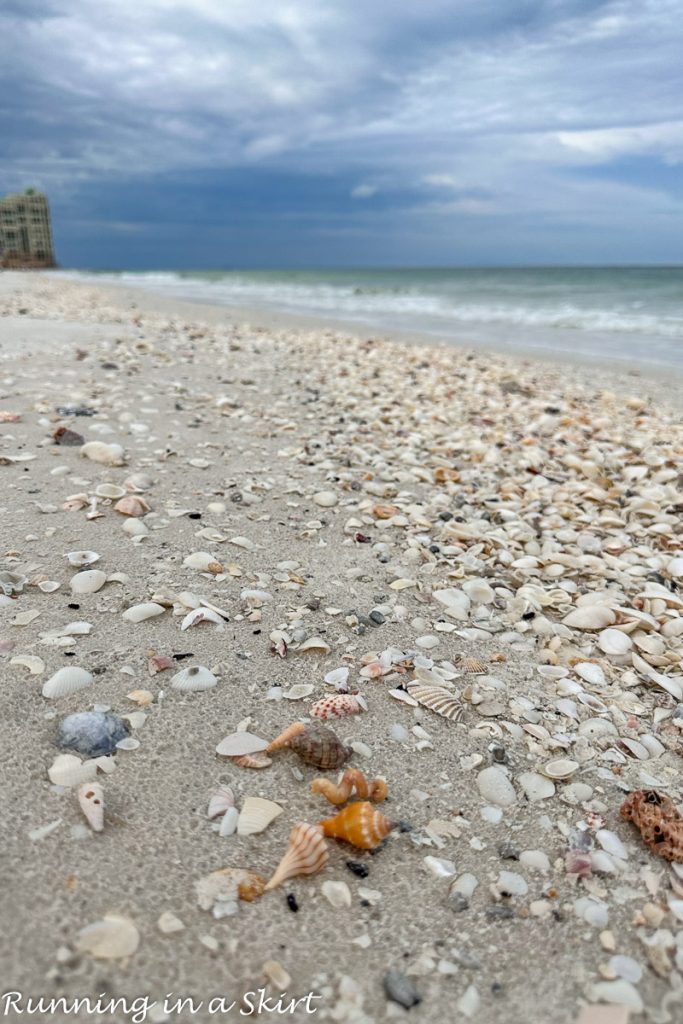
[425,516]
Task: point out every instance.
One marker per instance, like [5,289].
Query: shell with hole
[91,800]
[359,824]
[67,680]
[193,679]
[307,853]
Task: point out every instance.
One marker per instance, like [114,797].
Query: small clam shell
[132,505]
[82,557]
[614,642]
[562,768]
[135,528]
[106,490]
[68,770]
[590,617]
[314,643]
[106,454]
[229,822]
[194,678]
[91,800]
[140,612]
[237,744]
[256,815]
[88,582]
[199,615]
[204,562]
[67,680]
[299,691]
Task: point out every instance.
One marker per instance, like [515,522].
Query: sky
[307,133]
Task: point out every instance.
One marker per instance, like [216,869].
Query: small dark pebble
[109,366]
[405,826]
[497,989]
[499,755]
[508,850]
[291,902]
[445,516]
[500,912]
[377,619]
[400,989]
[360,870]
[194,515]
[434,548]
[180,657]
[76,410]
[365,903]
[74,606]
[458,902]
[68,438]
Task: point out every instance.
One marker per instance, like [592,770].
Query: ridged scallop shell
[132,505]
[88,582]
[106,454]
[237,744]
[307,853]
[337,706]
[438,699]
[319,746]
[256,815]
[198,615]
[197,677]
[91,800]
[473,666]
[68,770]
[82,557]
[140,612]
[67,680]
[360,824]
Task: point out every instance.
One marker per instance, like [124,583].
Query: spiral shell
[438,699]
[320,747]
[306,854]
[359,824]
[336,706]
[352,780]
[285,738]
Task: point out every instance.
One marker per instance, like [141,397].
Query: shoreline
[340,511]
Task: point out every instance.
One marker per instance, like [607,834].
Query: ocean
[632,315]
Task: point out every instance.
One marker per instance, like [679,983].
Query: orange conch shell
[307,853]
[285,738]
[352,780]
[359,824]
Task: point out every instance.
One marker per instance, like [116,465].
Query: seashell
[204,562]
[88,582]
[338,678]
[220,802]
[495,787]
[229,823]
[82,557]
[314,643]
[106,490]
[298,691]
[139,482]
[590,673]
[285,738]
[256,815]
[257,760]
[35,665]
[198,615]
[91,733]
[473,666]
[438,699]
[535,786]
[67,680]
[237,744]
[140,612]
[359,824]
[106,454]
[455,603]
[590,617]
[193,679]
[68,770]
[337,894]
[659,822]
[336,706]
[227,885]
[562,768]
[91,800]
[135,528]
[143,698]
[49,586]
[320,747]
[352,781]
[132,505]
[614,642]
[159,663]
[307,853]
[479,591]
[111,938]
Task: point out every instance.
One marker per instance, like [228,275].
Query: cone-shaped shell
[91,800]
[359,824]
[320,747]
[285,738]
[306,854]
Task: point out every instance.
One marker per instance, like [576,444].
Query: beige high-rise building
[25,231]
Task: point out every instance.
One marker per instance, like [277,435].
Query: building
[25,231]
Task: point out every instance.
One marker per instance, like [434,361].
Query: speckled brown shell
[659,821]
[319,746]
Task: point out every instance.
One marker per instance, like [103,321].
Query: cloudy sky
[348,132]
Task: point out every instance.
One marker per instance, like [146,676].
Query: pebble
[495,787]
[326,499]
[400,989]
[91,733]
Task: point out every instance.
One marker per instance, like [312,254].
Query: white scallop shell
[111,938]
[88,582]
[239,743]
[106,490]
[140,612]
[68,770]
[91,800]
[82,557]
[198,615]
[256,815]
[67,680]
[196,677]
[107,454]
[35,665]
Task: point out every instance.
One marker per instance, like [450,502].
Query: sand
[249,419]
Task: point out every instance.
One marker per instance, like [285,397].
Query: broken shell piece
[257,760]
[49,586]
[88,582]
[107,490]
[306,854]
[132,505]
[67,680]
[256,815]
[111,938]
[91,800]
[237,744]
[82,557]
[106,454]
[314,643]
[204,562]
[140,612]
[359,824]
[158,663]
[337,894]
[143,698]
[227,885]
[659,822]
[35,665]
[193,679]
[352,781]
[438,699]
[220,802]
[299,691]
[198,615]
[68,770]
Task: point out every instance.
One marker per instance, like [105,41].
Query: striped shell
[257,760]
[306,854]
[336,706]
[67,680]
[438,699]
[352,781]
[320,747]
[473,666]
[359,824]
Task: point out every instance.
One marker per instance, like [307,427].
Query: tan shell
[306,854]
[91,800]
[353,781]
[131,505]
[438,699]
[256,815]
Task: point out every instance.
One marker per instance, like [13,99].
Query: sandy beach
[504,529]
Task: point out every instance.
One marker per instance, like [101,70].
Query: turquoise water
[634,314]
